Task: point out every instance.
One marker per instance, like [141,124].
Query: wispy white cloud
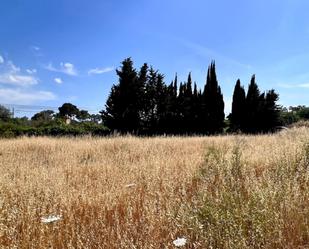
[20,96]
[36,48]
[212,54]
[58,80]
[11,75]
[18,80]
[66,68]
[1,60]
[100,70]
[31,71]
[12,68]
[299,85]
[36,51]
[305,85]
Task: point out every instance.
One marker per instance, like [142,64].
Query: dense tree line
[142,103]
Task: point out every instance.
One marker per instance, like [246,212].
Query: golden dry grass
[127,192]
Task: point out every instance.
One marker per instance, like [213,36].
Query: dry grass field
[128,192]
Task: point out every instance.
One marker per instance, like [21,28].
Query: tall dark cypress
[175,86]
[195,109]
[170,107]
[238,107]
[213,103]
[195,92]
[171,118]
[188,92]
[180,108]
[187,106]
[253,101]
[161,103]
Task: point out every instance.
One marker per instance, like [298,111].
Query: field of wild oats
[127,192]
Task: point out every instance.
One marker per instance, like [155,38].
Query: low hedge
[9,130]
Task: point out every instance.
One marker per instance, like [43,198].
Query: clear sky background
[59,51]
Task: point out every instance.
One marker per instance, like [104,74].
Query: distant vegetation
[141,103]
[69,121]
[292,114]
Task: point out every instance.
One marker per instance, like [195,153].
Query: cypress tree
[171,115]
[161,102]
[188,90]
[170,104]
[195,106]
[180,109]
[213,103]
[238,107]
[252,107]
[175,86]
[195,92]
[187,106]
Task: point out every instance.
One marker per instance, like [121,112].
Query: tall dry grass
[127,192]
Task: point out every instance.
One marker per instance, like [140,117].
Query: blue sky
[59,51]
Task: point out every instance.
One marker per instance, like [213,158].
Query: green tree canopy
[43,116]
[68,110]
[122,110]
[5,113]
[83,115]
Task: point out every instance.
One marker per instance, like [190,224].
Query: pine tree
[68,110]
[112,115]
[142,100]
[155,104]
[271,111]
[150,101]
[122,109]
[238,107]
